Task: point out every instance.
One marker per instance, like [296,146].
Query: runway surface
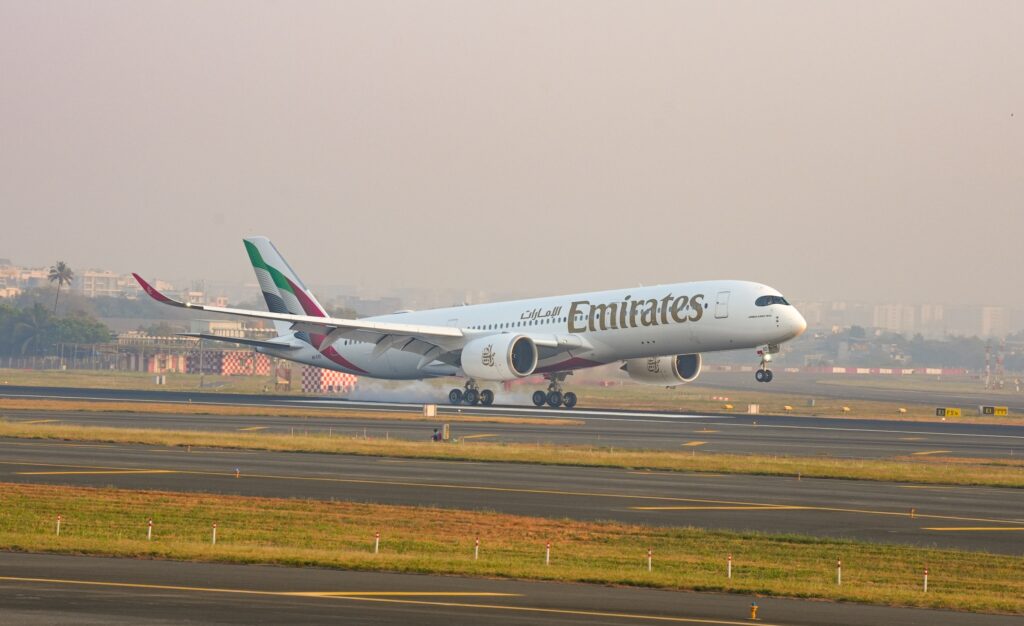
[761,434]
[821,385]
[38,589]
[973,518]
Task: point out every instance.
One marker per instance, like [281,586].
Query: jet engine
[664,371]
[499,357]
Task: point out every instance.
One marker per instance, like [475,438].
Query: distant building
[897,318]
[995,321]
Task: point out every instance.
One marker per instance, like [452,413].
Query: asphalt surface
[972,518]
[760,434]
[821,385]
[38,589]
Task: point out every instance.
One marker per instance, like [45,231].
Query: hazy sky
[859,150]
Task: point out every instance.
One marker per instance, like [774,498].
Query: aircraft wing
[331,328]
[441,343]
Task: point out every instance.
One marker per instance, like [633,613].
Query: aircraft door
[722,305]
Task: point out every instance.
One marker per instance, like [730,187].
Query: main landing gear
[763,374]
[554,397]
[472,395]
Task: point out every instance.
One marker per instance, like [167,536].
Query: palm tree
[30,331]
[62,275]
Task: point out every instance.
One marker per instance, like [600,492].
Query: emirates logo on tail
[487,357]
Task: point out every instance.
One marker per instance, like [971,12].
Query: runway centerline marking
[752,507]
[551,492]
[928,452]
[93,472]
[389,598]
[974,529]
[693,444]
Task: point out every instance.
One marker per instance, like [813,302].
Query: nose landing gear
[554,397]
[763,374]
[472,395]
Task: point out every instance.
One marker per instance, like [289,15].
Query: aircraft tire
[539,398]
[768,376]
[486,397]
[554,399]
[569,399]
[472,396]
[759,375]
[455,396]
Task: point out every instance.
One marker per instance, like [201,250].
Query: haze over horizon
[866,151]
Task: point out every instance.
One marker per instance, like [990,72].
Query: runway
[973,518]
[820,385]
[38,589]
[761,434]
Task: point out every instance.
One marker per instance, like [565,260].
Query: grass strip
[927,470]
[170,408]
[440,541]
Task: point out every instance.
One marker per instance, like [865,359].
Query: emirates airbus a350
[658,333]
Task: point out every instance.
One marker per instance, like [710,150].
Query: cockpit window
[768,300]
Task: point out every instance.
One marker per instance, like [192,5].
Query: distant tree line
[35,330]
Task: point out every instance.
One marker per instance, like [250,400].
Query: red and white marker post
[650,556]
[728,568]
[839,571]
[547,554]
[149,530]
[214,540]
[376,542]
[59,518]
[476,550]
[926,580]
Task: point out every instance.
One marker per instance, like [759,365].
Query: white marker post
[376,542]
[926,580]
[214,541]
[149,530]
[839,571]
[547,554]
[650,555]
[728,568]
[476,550]
[58,525]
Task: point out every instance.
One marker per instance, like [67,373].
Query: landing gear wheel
[472,396]
[569,399]
[486,397]
[539,398]
[455,396]
[767,376]
[759,375]
[554,399]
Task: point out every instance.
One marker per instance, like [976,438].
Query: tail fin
[283,290]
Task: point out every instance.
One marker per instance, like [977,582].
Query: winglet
[156,295]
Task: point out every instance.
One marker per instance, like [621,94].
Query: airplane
[658,333]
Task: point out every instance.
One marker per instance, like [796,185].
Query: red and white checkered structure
[319,380]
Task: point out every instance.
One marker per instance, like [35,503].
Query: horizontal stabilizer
[256,343]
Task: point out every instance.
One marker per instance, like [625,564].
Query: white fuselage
[592,328]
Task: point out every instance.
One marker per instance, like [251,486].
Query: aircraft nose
[798,323]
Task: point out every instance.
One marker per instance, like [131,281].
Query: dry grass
[163,408]
[927,470]
[416,539]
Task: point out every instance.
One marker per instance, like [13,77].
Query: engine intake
[499,357]
[664,371]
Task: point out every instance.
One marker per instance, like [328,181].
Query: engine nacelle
[664,371]
[499,357]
